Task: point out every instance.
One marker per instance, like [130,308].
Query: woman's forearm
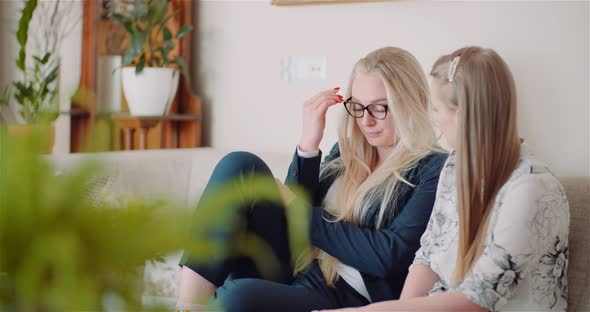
[448,301]
[419,282]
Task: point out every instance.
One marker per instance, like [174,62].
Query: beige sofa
[181,175]
[177,175]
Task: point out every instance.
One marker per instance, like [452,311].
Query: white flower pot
[108,84]
[151,92]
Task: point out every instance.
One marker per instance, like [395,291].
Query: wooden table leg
[127,139]
[130,126]
[143,136]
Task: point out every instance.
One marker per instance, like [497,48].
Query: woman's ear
[424,98]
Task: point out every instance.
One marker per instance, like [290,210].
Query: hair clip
[453,68]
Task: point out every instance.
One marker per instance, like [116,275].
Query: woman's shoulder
[435,158]
[431,163]
[533,190]
[334,152]
[533,173]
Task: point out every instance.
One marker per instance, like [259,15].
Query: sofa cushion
[578,193]
[157,174]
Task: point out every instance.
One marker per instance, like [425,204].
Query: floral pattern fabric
[524,262]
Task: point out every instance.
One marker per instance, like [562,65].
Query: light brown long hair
[482,90]
[359,185]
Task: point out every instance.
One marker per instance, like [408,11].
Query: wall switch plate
[304,68]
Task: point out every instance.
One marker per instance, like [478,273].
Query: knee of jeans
[238,295]
[235,163]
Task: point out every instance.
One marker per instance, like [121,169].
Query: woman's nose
[368,120]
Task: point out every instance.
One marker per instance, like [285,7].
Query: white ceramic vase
[151,92]
[108,86]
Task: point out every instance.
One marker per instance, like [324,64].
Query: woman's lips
[373,134]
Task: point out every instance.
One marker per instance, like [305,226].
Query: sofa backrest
[179,175]
[578,193]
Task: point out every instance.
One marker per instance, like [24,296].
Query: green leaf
[20,62]
[158,12]
[183,31]
[167,34]
[46,58]
[167,18]
[5,98]
[136,44]
[157,61]
[183,66]
[22,87]
[123,20]
[22,34]
[128,57]
[140,65]
[169,46]
[135,28]
[43,60]
[19,98]
[150,14]
[164,54]
[52,74]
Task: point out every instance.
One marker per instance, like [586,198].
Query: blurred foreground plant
[61,252]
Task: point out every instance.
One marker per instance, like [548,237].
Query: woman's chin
[379,142]
[375,142]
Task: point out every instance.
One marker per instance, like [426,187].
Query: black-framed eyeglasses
[357,110]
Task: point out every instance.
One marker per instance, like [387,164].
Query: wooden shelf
[80,112]
[130,125]
[172,117]
[181,128]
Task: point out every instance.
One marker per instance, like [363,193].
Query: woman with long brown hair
[498,235]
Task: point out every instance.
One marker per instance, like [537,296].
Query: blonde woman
[371,198]
[498,235]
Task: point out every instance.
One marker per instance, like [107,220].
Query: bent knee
[240,159]
[237,163]
[239,295]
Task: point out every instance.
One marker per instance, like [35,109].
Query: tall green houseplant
[36,92]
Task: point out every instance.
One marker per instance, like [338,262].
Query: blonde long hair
[359,185]
[483,92]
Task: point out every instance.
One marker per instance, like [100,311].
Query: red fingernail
[337,88]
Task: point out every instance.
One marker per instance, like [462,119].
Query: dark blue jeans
[240,283]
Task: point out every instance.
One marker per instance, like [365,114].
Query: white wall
[69,80]
[546,44]
[8,48]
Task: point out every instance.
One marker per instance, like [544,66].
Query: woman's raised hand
[314,118]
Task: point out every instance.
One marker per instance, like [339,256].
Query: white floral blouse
[524,263]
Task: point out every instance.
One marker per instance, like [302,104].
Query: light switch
[303,68]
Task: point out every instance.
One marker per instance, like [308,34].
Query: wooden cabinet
[91,130]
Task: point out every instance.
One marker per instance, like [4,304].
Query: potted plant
[34,105]
[30,103]
[151,79]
